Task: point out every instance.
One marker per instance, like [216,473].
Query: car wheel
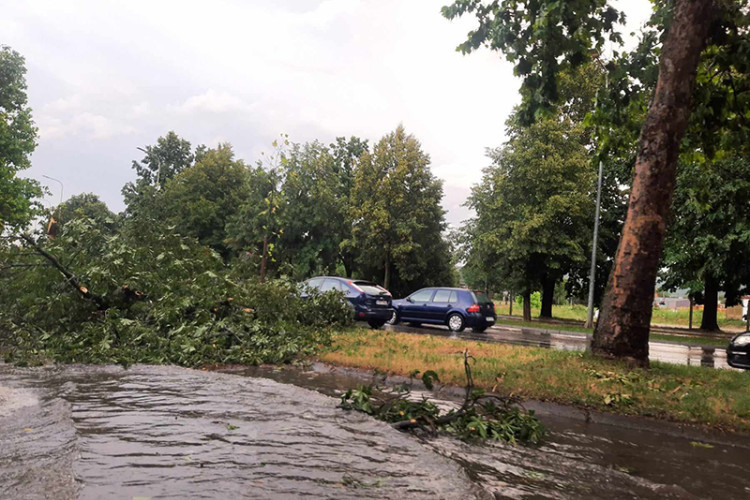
[479,329]
[394,318]
[456,322]
[375,323]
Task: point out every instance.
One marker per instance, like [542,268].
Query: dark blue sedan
[455,307]
[371,302]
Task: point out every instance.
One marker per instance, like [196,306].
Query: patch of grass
[579,329]
[719,398]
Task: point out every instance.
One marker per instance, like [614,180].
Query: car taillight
[473,308]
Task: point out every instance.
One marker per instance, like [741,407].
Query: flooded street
[691,355]
[167,432]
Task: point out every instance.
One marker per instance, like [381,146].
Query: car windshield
[370,288]
[482,298]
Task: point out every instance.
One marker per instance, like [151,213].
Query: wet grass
[579,329]
[718,398]
[659,316]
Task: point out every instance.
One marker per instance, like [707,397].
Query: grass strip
[682,339]
[717,398]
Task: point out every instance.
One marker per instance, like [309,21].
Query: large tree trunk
[548,296]
[622,329]
[527,306]
[710,301]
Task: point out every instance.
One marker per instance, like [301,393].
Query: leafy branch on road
[480,416]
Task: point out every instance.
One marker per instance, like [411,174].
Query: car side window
[421,296]
[442,296]
[329,285]
[454,297]
[315,283]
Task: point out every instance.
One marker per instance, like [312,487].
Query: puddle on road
[167,432]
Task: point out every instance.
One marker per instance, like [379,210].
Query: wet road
[692,355]
[167,432]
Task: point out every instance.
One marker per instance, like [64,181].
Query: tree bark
[512,299]
[387,272]
[527,306]
[548,296]
[623,326]
[710,300]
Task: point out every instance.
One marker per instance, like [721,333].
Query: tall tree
[398,220]
[17,142]
[202,199]
[161,162]
[540,36]
[259,222]
[314,211]
[708,244]
[347,154]
[534,206]
[85,205]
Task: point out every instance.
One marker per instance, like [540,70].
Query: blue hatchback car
[456,307]
[371,302]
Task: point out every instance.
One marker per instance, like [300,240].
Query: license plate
[490,319]
[381,302]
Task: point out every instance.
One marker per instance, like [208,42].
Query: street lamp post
[58,181]
[592,272]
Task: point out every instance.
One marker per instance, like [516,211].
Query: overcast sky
[106,77]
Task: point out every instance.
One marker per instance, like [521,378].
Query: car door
[437,309]
[415,306]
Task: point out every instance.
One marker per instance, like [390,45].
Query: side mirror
[408,299]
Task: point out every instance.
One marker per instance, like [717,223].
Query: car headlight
[742,339]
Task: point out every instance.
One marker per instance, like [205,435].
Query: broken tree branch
[71,278]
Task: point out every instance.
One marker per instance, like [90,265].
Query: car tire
[479,329]
[394,318]
[456,322]
[375,323]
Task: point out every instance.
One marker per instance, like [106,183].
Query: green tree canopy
[398,219]
[202,199]
[161,162]
[17,142]
[534,206]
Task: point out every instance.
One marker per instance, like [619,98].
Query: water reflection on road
[167,432]
[692,355]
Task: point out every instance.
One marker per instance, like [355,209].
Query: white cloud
[212,101]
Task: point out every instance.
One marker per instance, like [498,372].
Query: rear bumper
[479,320]
[363,313]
